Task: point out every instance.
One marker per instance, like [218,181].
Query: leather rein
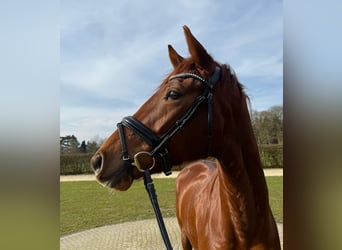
[158,144]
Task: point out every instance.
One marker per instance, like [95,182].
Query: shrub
[79,163]
[271,155]
[75,164]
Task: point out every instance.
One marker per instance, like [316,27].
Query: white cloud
[271,66]
[86,122]
[115,50]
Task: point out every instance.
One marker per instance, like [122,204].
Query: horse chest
[204,217]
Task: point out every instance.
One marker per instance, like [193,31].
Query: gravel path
[135,235]
[91,177]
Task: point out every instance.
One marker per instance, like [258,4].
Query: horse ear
[175,58]
[198,52]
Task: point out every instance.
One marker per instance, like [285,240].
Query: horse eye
[172,95]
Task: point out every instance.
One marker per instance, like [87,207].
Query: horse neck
[243,189]
[240,169]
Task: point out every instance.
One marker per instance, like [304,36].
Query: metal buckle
[125,157]
[141,158]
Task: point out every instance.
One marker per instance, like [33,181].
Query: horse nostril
[96,163]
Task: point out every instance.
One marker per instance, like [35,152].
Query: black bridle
[158,144]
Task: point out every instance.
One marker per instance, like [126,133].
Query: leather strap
[158,144]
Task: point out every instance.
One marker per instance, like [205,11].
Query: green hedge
[271,157]
[75,164]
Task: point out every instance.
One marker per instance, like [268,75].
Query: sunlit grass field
[86,204]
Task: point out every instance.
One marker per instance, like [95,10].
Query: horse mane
[242,111]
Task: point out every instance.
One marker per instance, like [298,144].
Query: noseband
[158,143]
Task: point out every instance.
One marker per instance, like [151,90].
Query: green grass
[86,204]
[275,190]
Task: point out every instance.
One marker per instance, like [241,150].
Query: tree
[83,147]
[94,143]
[276,114]
[92,146]
[69,144]
[268,125]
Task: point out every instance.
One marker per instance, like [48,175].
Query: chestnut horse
[217,208]
[199,110]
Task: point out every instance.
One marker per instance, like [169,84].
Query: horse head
[182,121]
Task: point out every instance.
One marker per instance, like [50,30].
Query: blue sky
[113,54]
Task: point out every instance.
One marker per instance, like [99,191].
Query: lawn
[86,204]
